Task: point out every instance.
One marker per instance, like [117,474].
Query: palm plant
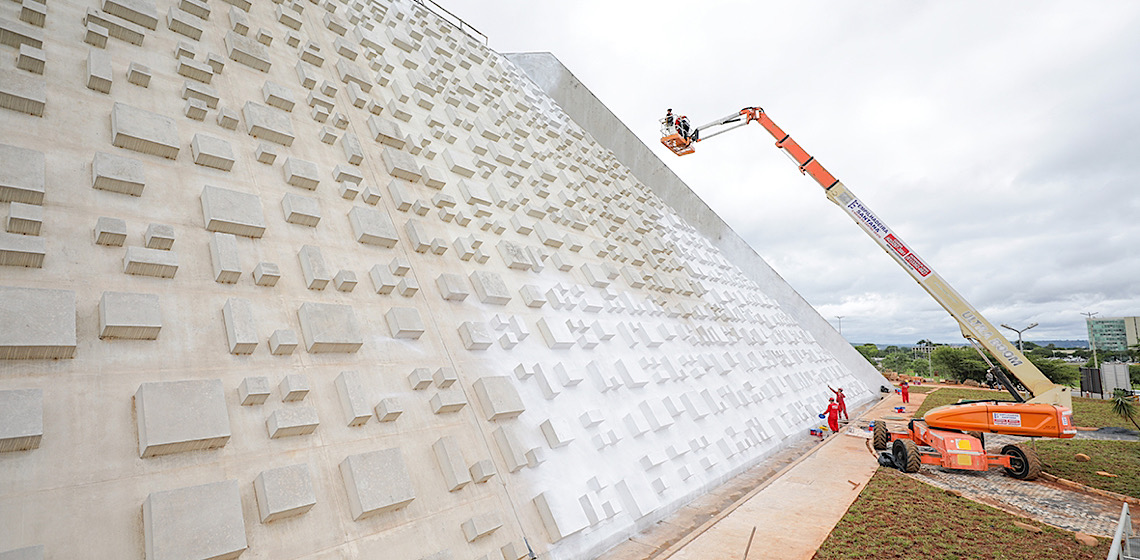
[1124,407]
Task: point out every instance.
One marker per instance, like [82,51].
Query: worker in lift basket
[683,126]
[832,414]
[668,117]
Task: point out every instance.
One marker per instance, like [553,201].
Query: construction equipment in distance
[951,435]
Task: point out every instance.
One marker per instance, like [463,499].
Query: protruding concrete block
[490,288]
[22,92]
[292,421]
[555,333]
[150,262]
[482,471]
[475,335]
[177,416]
[22,250]
[24,219]
[353,398]
[144,132]
[254,390]
[22,173]
[447,400]
[557,431]
[284,492]
[283,342]
[241,327]
[159,236]
[420,379]
[372,227]
[247,51]
[376,482]
[175,522]
[449,457]
[233,212]
[141,12]
[31,59]
[111,232]
[444,377]
[498,397]
[383,281]
[561,515]
[400,164]
[267,123]
[195,109]
[405,322]
[301,173]
[313,267]
[481,526]
[452,287]
[227,118]
[352,149]
[138,74]
[276,95]
[21,419]
[389,409]
[345,281]
[117,174]
[131,316]
[99,71]
[266,274]
[301,210]
[210,151]
[294,387]
[386,131]
[265,153]
[532,296]
[511,447]
[225,258]
[329,327]
[39,323]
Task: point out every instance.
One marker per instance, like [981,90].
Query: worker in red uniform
[840,399]
[904,388]
[832,415]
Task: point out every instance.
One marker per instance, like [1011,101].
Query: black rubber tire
[880,437]
[905,454]
[1023,461]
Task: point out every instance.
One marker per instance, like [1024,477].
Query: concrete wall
[329,280]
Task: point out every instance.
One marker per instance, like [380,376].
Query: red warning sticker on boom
[917,264]
[896,244]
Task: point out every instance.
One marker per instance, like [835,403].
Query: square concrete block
[481,526]
[195,109]
[420,379]
[452,287]
[117,174]
[22,250]
[265,153]
[31,59]
[447,400]
[38,324]
[21,419]
[144,132]
[475,335]
[225,259]
[449,457]
[284,492]
[295,387]
[247,51]
[211,151]
[388,409]
[138,74]
[372,227]
[353,151]
[345,281]
[141,12]
[267,123]
[353,398]
[22,173]
[292,421]
[283,342]
[301,173]
[227,118]
[376,482]
[313,267]
[498,397]
[266,274]
[254,390]
[557,431]
[111,232]
[177,416]
[347,189]
[99,71]
[22,92]
[301,210]
[400,164]
[328,327]
[241,327]
[196,522]
[444,377]
[386,131]
[482,471]
[159,236]
[405,322]
[233,212]
[490,288]
[382,280]
[131,316]
[185,22]
[562,515]
[556,334]
[24,219]
[150,262]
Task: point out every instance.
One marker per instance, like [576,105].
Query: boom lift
[951,435]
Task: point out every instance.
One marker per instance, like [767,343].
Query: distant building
[1114,334]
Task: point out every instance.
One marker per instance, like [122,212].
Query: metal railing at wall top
[453,20]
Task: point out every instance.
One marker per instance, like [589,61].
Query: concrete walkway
[792,511]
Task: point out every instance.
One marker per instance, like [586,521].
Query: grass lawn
[1117,457]
[898,517]
[923,388]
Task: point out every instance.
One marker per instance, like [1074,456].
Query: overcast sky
[1000,140]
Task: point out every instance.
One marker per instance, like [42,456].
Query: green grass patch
[923,388]
[1116,457]
[896,516]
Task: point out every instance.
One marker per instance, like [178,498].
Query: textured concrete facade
[334,280]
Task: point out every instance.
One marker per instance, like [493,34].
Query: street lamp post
[1020,348]
[840,317]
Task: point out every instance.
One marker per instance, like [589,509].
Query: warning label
[1007,419]
[917,264]
[896,245]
